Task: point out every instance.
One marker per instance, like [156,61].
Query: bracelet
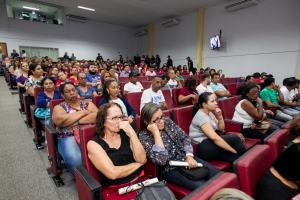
[189,154]
[78,122]
[221,118]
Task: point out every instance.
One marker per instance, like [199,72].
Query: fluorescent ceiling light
[30,8]
[86,8]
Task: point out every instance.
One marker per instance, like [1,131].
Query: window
[32,11]
[40,52]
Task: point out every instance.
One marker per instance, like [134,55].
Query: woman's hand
[130,119]
[126,127]
[192,163]
[153,128]
[269,112]
[218,112]
[259,101]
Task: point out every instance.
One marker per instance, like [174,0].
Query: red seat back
[231,80]
[251,167]
[37,90]
[53,103]
[168,98]
[146,84]
[277,141]
[124,79]
[228,107]
[144,78]
[175,94]
[86,134]
[134,99]
[186,76]
[224,81]
[185,73]
[231,87]
[96,100]
[183,117]
[216,183]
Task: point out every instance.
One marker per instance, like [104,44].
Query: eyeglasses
[121,118]
[81,78]
[159,119]
[254,91]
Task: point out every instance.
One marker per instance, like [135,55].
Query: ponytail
[196,107]
[203,98]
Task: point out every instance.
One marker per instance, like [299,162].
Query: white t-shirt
[130,87]
[173,83]
[120,102]
[287,95]
[24,55]
[149,96]
[200,89]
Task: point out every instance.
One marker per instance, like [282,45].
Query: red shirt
[185,92]
[256,80]
[58,81]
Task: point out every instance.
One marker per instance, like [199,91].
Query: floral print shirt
[172,151]
[64,132]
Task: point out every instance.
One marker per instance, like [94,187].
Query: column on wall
[151,39]
[200,37]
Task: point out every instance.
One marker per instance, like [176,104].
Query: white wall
[85,40]
[179,41]
[260,38]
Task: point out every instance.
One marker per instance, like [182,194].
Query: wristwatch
[189,154]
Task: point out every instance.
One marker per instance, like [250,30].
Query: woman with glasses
[68,116]
[250,110]
[115,151]
[83,90]
[111,94]
[164,141]
[203,130]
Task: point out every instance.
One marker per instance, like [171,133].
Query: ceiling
[132,13]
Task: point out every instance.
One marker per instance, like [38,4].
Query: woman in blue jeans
[70,115]
[163,141]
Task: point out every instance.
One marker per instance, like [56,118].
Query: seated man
[132,85]
[241,89]
[218,88]
[154,94]
[125,72]
[151,71]
[272,96]
[256,77]
[93,78]
[174,81]
[288,96]
[205,84]
[164,84]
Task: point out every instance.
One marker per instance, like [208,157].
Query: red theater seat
[218,182]
[96,100]
[146,84]
[168,98]
[251,166]
[134,99]
[277,141]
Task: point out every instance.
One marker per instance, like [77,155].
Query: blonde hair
[230,194]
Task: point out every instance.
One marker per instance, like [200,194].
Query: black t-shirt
[99,58]
[190,64]
[271,188]
[119,157]
[169,62]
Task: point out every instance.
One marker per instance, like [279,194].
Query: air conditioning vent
[76,18]
[241,4]
[171,23]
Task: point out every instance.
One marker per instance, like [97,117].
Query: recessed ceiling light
[85,8]
[30,8]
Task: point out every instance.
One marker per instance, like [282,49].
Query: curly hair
[101,117]
[294,129]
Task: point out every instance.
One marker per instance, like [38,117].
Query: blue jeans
[175,177]
[70,151]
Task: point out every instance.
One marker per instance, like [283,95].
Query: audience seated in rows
[272,97]
[164,141]
[294,132]
[83,90]
[111,94]
[133,85]
[154,94]
[241,89]
[218,88]
[68,116]
[62,78]
[281,181]
[188,94]
[288,94]
[205,84]
[202,129]
[115,151]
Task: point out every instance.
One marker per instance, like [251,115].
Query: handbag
[196,173]
[156,191]
[262,127]
[42,113]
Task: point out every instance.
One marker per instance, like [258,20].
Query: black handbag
[156,191]
[196,173]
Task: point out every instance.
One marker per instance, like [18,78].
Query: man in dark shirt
[14,54]
[137,59]
[191,65]
[99,57]
[241,89]
[169,62]
[66,55]
[157,60]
